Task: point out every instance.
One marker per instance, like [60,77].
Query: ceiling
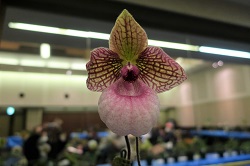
[228,11]
[223,24]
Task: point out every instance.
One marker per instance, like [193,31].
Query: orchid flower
[130,74]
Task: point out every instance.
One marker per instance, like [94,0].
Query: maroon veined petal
[128,39]
[158,70]
[103,69]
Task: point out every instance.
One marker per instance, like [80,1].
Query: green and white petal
[128,39]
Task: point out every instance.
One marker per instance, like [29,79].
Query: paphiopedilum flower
[130,74]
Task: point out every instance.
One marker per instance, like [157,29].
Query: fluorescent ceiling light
[104,36]
[85,34]
[32,63]
[8,61]
[172,45]
[225,52]
[58,65]
[95,35]
[78,66]
[45,50]
[36,28]
[59,31]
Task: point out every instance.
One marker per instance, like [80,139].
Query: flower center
[130,72]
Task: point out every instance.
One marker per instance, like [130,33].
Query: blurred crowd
[39,147]
[49,145]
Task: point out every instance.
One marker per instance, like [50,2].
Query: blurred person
[92,134]
[30,147]
[44,148]
[169,135]
[154,135]
[170,138]
[56,123]
[56,138]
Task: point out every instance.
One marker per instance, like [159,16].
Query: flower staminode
[130,74]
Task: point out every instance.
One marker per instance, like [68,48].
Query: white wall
[214,97]
[44,90]
[209,97]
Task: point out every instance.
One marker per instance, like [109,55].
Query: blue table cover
[13,141]
[221,133]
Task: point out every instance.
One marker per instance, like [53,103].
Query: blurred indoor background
[45,45]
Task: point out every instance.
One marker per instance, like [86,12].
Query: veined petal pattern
[158,70]
[103,69]
[127,38]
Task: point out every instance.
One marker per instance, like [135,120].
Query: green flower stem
[137,151]
[128,147]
